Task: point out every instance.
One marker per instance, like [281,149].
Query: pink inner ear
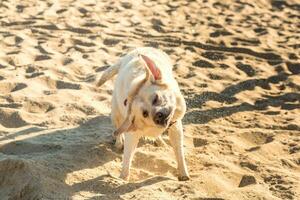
[151,65]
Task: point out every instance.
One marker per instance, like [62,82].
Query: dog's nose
[161,117]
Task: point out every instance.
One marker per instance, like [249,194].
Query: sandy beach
[237,63]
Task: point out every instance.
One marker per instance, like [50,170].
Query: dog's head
[152,104]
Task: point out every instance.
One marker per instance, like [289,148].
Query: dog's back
[163,62]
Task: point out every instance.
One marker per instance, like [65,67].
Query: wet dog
[146,102]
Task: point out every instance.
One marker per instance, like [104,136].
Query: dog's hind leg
[118,141]
[131,141]
[117,120]
[176,140]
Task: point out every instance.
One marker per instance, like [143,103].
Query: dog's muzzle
[162,116]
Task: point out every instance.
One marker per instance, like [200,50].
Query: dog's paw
[124,177]
[183,178]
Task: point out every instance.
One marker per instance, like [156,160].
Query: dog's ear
[127,125]
[180,108]
[155,72]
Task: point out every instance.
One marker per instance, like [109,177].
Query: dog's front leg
[130,143]
[176,140]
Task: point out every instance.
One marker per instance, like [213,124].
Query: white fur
[130,71]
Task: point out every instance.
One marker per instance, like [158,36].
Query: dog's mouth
[162,120]
[162,116]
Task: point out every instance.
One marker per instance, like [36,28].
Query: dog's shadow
[61,154]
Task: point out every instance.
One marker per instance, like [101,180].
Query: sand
[237,63]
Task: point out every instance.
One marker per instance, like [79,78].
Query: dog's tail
[109,73]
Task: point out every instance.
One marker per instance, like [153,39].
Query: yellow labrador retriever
[146,102]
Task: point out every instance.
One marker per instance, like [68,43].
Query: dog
[146,102]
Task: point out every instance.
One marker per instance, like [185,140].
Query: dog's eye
[155,100]
[145,113]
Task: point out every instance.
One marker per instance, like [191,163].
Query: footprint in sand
[111,42]
[257,138]
[152,164]
[32,72]
[11,119]
[8,87]
[293,67]
[219,33]
[38,106]
[203,64]
[279,186]
[260,31]
[245,68]
[58,84]
[42,57]
[214,55]
[67,85]
[67,61]
[249,165]
[199,142]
